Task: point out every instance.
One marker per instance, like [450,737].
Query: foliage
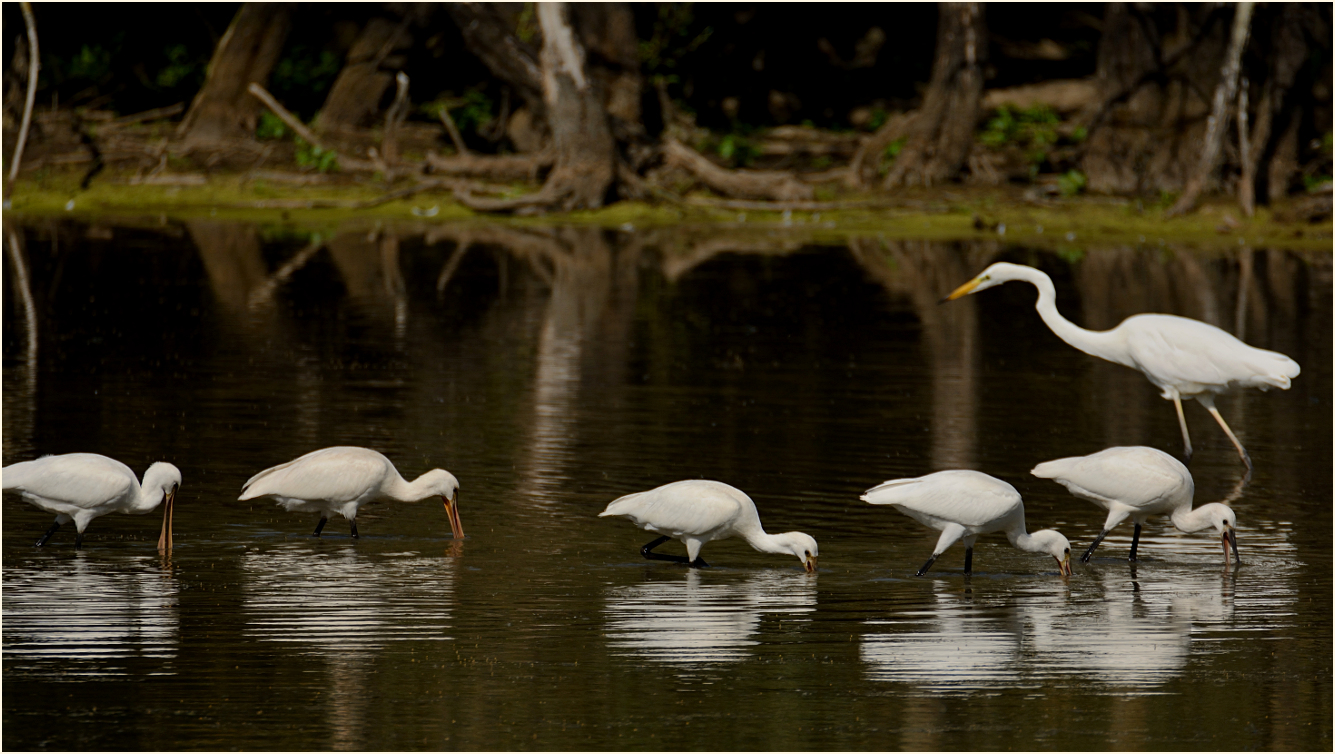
[1033,129]
[1071,182]
[471,110]
[737,149]
[890,152]
[179,68]
[305,70]
[526,28]
[671,39]
[879,115]
[270,127]
[310,156]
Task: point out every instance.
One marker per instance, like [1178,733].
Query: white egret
[1183,357]
[1139,482]
[964,504]
[341,479]
[697,511]
[79,487]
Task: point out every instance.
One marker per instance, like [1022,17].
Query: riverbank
[1016,213]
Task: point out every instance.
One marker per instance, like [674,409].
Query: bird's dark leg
[1094,545]
[699,562]
[78,539]
[353,523]
[42,542]
[968,561]
[1135,540]
[320,526]
[926,566]
[1186,436]
[648,552]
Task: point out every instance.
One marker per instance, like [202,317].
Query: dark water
[554,370]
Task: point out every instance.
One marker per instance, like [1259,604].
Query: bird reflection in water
[299,596]
[689,620]
[95,613]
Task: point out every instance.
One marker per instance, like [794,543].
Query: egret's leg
[699,562]
[319,526]
[968,561]
[353,523]
[927,565]
[1094,545]
[78,539]
[1135,540]
[1186,436]
[42,542]
[1208,402]
[648,552]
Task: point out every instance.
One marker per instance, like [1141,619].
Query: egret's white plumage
[1138,482]
[79,487]
[340,479]
[1183,357]
[964,504]
[697,511]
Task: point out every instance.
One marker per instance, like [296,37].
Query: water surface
[553,370]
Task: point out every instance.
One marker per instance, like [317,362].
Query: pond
[553,369]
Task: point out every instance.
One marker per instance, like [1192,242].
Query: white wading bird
[1184,358]
[697,511]
[79,487]
[339,480]
[1139,482]
[965,504]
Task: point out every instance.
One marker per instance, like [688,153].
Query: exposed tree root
[779,186]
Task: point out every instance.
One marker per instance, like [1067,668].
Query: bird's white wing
[335,474]
[969,498]
[693,506]
[1195,357]
[1136,476]
[85,480]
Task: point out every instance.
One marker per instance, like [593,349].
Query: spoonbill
[1139,482]
[697,511]
[79,487]
[1183,357]
[965,504]
[340,479]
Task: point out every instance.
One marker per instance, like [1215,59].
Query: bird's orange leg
[1208,402]
[1186,436]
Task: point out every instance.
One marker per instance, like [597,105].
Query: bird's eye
[1068,551]
[807,553]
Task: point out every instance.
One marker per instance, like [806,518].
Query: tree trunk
[354,99]
[247,52]
[943,128]
[582,146]
[1224,95]
[608,33]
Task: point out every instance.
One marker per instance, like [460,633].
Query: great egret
[79,487]
[1184,358]
[1139,482]
[697,511]
[341,479]
[965,504]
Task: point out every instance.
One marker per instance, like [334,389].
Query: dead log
[497,167]
[246,54]
[742,184]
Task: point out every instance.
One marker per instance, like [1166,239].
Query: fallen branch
[154,114]
[33,65]
[744,184]
[511,166]
[453,130]
[347,163]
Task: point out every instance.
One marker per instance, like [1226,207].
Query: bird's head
[1055,544]
[441,482]
[167,478]
[1225,523]
[995,274]
[801,545]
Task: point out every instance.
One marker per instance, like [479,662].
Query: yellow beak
[809,564]
[1065,566]
[165,539]
[963,290]
[452,511]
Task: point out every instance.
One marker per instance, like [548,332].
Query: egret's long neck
[755,535]
[1021,540]
[398,488]
[1094,343]
[148,498]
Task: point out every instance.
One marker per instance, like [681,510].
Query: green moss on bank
[955,213]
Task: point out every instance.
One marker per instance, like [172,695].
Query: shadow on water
[554,369]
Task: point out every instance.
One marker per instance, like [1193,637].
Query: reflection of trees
[310,600]
[20,396]
[684,622]
[923,271]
